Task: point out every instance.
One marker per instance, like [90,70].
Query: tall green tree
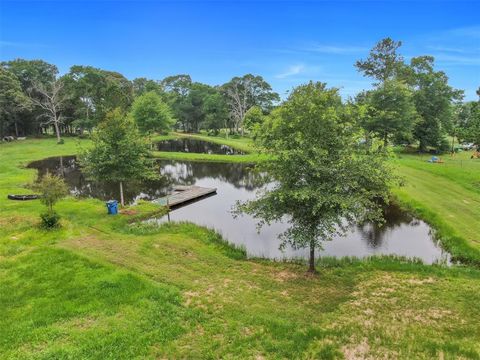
[151,113]
[434,101]
[390,111]
[143,85]
[383,62]
[253,118]
[94,92]
[469,123]
[12,101]
[30,73]
[216,112]
[177,89]
[119,153]
[323,180]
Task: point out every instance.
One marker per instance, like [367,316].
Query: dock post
[168,210]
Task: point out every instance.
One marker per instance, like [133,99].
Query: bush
[444,146]
[52,188]
[50,220]
[61,142]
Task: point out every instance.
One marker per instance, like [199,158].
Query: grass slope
[102,288]
[448,196]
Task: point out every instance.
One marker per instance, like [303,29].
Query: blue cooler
[112,207]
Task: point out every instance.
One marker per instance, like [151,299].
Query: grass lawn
[103,288]
[448,196]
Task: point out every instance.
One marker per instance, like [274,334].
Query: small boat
[24,197]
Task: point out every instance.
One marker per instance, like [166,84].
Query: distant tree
[384,62]
[390,111]
[177,88]
[216,112]
[50,99]
[434,101]
[253,118]
[94,92]
[28,73]
[244,92]
[469,124]
[12,101]
[191,111]
[178,84]
[119,153]
[323,180]
[151,114]
[143,85]
[52,189]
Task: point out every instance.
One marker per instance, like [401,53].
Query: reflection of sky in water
[400,235]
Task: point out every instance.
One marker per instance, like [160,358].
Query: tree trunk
[311,267]
[57,130]
[122,202]
[16,127]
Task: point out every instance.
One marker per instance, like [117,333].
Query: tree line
[409,103]
[34,98]
[413,102]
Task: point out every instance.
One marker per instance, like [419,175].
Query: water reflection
[196,146]
[401,234]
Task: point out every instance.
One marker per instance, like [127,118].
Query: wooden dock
[184,194]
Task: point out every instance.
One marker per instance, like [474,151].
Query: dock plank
[184,194]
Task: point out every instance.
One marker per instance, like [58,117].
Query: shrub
[52,188]
[50,220]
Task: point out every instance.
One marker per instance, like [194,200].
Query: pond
[401,235]
[196,146]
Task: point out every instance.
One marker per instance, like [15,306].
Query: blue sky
[286,42]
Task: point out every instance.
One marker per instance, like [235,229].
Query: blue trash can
[112,207]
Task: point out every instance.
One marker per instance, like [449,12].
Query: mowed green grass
[448,196]
[103,288]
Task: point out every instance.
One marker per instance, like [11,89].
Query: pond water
[401,235]
[196,146]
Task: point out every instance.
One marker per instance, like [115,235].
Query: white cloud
[291,71]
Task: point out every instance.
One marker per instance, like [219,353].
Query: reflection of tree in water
[186,173]
[374,234]
[172,173]
[196,146]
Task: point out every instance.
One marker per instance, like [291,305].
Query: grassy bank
[448,196]
[103,288]
[242,144]
[247,158]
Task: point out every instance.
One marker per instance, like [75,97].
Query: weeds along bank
[100,287]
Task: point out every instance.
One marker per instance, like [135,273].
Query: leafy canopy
[119,153]
[152,114]
[323,180]
[52,189]
[383,62]
[389,111]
